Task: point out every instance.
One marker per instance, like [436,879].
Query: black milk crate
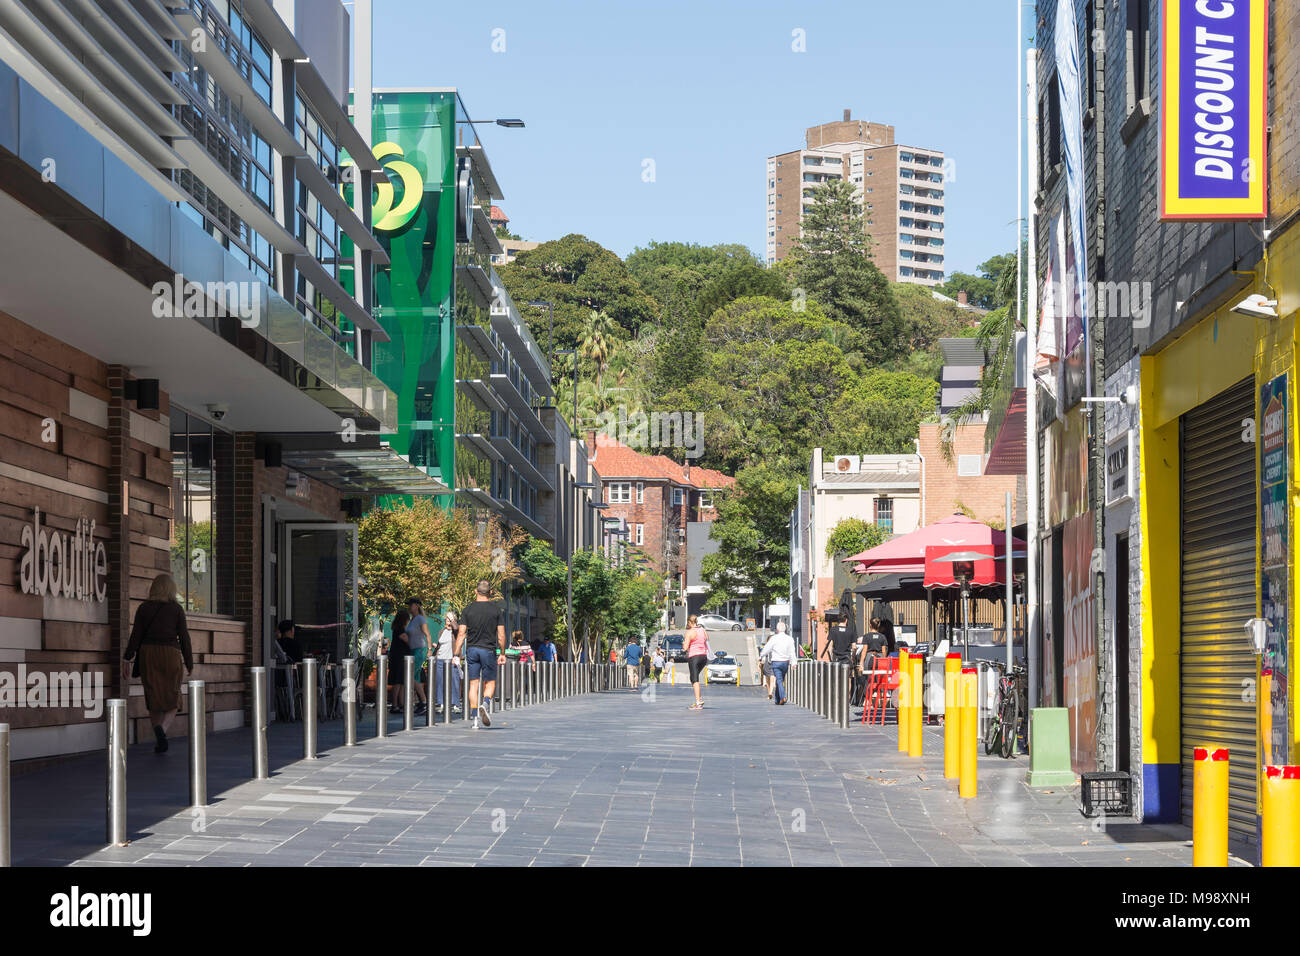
[1107,792]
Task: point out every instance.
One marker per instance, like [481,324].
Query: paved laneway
[618,778]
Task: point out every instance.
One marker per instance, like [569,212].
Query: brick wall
[944,491]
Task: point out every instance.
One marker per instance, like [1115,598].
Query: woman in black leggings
[697,656]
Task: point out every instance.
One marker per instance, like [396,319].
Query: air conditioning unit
[848,464]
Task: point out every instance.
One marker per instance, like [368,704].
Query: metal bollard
[1209,806]
[951,720]
[309,701]
[915,737]
[350,692]
[447,702]
[904,709]
[1280,840]
[381,695]
[261,764]
[408,693]
[430,686]
[6,858]
[516,697]
[116,818]
[846,694]
[198,746]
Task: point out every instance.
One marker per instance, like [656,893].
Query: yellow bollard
[951,717]
[967,786]
[1209,807]
[914,737]
[1281,841]
[904,700]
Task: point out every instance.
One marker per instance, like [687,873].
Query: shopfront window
[202,536]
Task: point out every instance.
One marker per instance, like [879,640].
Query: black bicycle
[1004,727]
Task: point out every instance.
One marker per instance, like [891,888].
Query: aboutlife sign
[1214,112]
[63,565]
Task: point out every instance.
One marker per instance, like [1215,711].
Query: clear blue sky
[708,89]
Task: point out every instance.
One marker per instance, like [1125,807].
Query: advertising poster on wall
[1068,481]
[1275,550]
[1080,640]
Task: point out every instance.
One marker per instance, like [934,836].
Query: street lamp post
[568,565]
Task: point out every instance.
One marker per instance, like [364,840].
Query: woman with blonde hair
[697,656]
[160,647]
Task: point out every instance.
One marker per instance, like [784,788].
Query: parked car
[675,648]
[723,669]
[716,622]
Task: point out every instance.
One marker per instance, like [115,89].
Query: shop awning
[907,553]
[375,470]
[894,587]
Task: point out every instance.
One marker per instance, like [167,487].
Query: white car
[716,622]
[722,669]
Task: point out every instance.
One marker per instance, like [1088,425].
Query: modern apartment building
[185,380]
[901,189]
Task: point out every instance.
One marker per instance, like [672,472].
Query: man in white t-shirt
[445,659]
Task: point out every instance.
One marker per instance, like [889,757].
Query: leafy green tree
[752,530]
[545,578]
[661,266]
[768,382]
[593,590]
[635,606]
[853,536]
[879,413]
[982,288]
[740,280]
[831,263]
[579,276]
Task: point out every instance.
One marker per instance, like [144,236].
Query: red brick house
[656,497]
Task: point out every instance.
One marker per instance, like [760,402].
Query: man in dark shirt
[483,628]
[288,643]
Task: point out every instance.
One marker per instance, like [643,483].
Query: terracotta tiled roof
[496,215]
[616,460]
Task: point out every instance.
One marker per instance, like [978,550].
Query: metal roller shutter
[1218,596]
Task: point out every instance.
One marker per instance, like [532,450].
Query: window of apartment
[884,514]
[1137,49]
[640,534]
[706,499]
[640,492]
[677,496]
[1049,127]
[203,511]
[620,492]
[969,466]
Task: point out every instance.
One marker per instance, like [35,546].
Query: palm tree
[598,341]
[997,337]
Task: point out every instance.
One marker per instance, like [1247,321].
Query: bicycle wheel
[1008,718]
[992,734]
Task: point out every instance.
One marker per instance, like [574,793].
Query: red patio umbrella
[907,552]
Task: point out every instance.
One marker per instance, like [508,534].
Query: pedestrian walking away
[419,639]
[445,660]
[632,655]
[482,633]
[697,656]
[779,654]
[658,664]
[158,648]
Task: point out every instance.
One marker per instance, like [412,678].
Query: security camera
[218,412]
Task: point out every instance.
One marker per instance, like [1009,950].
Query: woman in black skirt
[160,648]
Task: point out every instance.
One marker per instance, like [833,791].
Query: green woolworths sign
[415,219]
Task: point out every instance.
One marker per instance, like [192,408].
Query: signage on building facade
[1213,110]
[1068,480]
[1079,660]
[1275,552]
[1119,468]
[63,565]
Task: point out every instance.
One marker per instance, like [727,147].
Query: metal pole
[430,686]
[408,693]
[309,702]
[261,764]
[350,702]
[845,708]
[198,746]
[1010,613]
[447,665]
[1030,94]
[381,695]
[116,820]
[6,853]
